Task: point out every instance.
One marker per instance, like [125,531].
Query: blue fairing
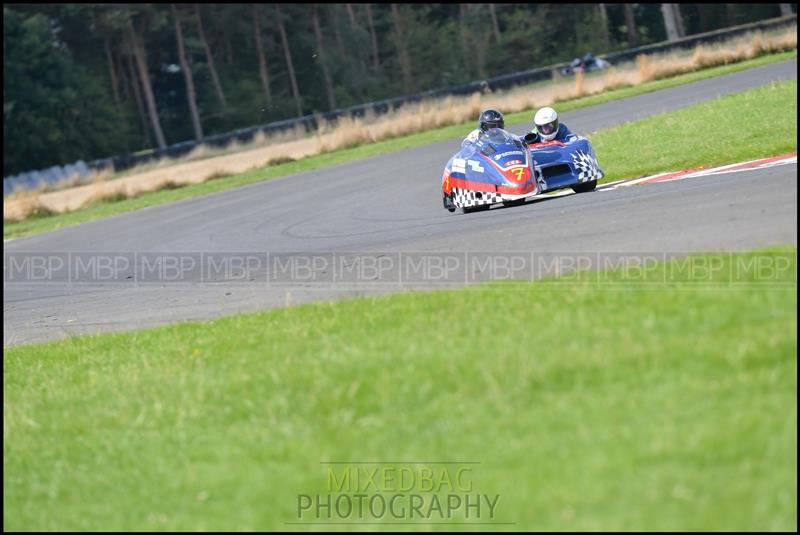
[564,164]
[474,162]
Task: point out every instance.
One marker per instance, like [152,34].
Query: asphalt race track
[385,205]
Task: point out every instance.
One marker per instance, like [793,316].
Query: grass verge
[44,223]
[603,401]
[757,123]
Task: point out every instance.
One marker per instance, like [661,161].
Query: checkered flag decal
[469,198]
[586,166]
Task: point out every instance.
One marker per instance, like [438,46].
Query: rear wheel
[585,187]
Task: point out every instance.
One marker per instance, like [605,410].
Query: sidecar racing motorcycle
[501,168]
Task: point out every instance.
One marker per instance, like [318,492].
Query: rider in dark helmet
[491,118]
[488,119]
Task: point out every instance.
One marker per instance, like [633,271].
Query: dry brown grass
[206,163]
[410,119]
[27,203]
[69,182]
[178,174]
[705,56]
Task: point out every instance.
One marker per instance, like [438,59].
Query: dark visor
[548,128]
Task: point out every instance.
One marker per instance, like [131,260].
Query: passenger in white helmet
[546,127]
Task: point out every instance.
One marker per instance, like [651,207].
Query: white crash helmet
[546,123]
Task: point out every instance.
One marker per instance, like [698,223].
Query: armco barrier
[81,170]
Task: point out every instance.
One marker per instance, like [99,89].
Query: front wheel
[585,187]
[447,201]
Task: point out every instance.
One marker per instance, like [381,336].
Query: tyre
[516,202]
[447,202]
[585,187]
[471,209]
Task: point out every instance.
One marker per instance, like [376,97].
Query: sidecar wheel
[585,187]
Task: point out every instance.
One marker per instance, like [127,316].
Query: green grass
[51,222]
[589,406]
[757,123]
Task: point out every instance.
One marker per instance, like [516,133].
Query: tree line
[86,81]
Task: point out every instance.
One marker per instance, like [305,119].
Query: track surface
[392,203]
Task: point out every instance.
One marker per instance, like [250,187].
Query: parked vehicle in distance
[588,63]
